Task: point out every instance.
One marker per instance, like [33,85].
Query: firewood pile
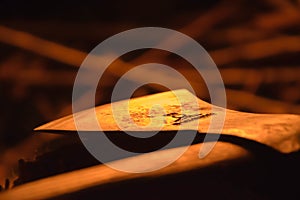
[255,44]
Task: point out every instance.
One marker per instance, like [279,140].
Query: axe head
[181,110]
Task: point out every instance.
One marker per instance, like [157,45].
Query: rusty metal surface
[279,131]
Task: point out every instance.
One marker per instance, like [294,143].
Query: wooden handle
[101,175]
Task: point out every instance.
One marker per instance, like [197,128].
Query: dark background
[255,44]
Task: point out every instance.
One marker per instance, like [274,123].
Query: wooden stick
[263,75]
[259,104]
[256,50]
[42,47]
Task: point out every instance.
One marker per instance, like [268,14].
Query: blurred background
[255,44]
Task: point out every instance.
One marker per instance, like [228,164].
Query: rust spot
[187,118]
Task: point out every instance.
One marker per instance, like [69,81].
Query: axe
[256,151]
